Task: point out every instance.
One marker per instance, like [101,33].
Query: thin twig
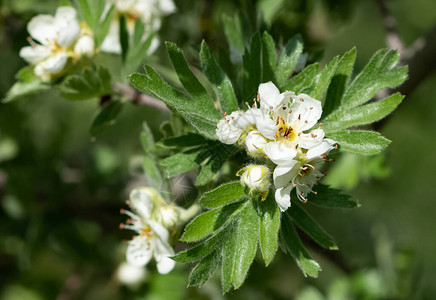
[138,98]
[390,23]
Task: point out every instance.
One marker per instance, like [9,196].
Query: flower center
[145,232]
[284,131]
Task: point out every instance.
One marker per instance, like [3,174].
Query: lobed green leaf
[291,244]
[204,270]
[303,80]
[288,60]
[305,222]
[223,194]
[360,142]
[332,198]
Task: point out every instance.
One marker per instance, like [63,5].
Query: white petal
[312,139]
[130,275]
[283,175]
[255,142]
[111,43]
[322,148]
[266,126]
[42,28]
[226,132]
[67,26]
[163,251]
[141,202]
[269,95]
[55,64]
[167,6]
[248,118]
[140,251]
[84,45]
[283,197]
[306,111]
[160,231]
[34,54]
[280,153]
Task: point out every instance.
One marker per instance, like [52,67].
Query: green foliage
[223,194]
[305,222]
[288,60]
[106,117]
[292,245]
[89,83]
[360,141]
[27,83]
[332,198]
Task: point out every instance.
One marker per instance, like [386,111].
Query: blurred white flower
[256,177]
[130,275]
[150,12]
[148,219]
[53,40]
[255,142]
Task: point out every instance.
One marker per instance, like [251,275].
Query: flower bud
[254,142]
[256,178]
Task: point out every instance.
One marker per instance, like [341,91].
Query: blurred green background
[61,190]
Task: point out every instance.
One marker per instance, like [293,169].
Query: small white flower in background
[153,238]
[130,275]
[53,40]
[150,12]
[278,126]
[256,177]
[153,220]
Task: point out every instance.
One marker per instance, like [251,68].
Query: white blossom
[279,127]
[149,219]
[53,41]
[130,275]
[150,12]
[227,131]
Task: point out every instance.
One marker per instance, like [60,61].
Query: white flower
[130,275]
[255,142]
[149,219]
[256,177]
[85,45]
[302,173]
[226,130]
[52,40]
[279,125]
[150,12]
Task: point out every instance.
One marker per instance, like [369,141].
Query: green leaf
[106,117]
[89,83]
[92,12]
[211,221]
[147,138]
[288,60]
[269,224]
[268,57]
[365,114]
[223,194]
[183,162]
[332,198]
[228,258]
[234,32]
[311,228]
[187,140]
[210,169]
[220,81]
[339,82]
[291,244]
[360,141]
[20,89]
[251,74]
[246,238]
[323,79]
[102,30]
[204,270]
[124,37]
[205,247]
[302,80]
[86,13]
[187,78]
[378,74]
[194,112]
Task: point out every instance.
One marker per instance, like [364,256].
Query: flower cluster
[152,219]
[279,127]
[54,40]
[150,12]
